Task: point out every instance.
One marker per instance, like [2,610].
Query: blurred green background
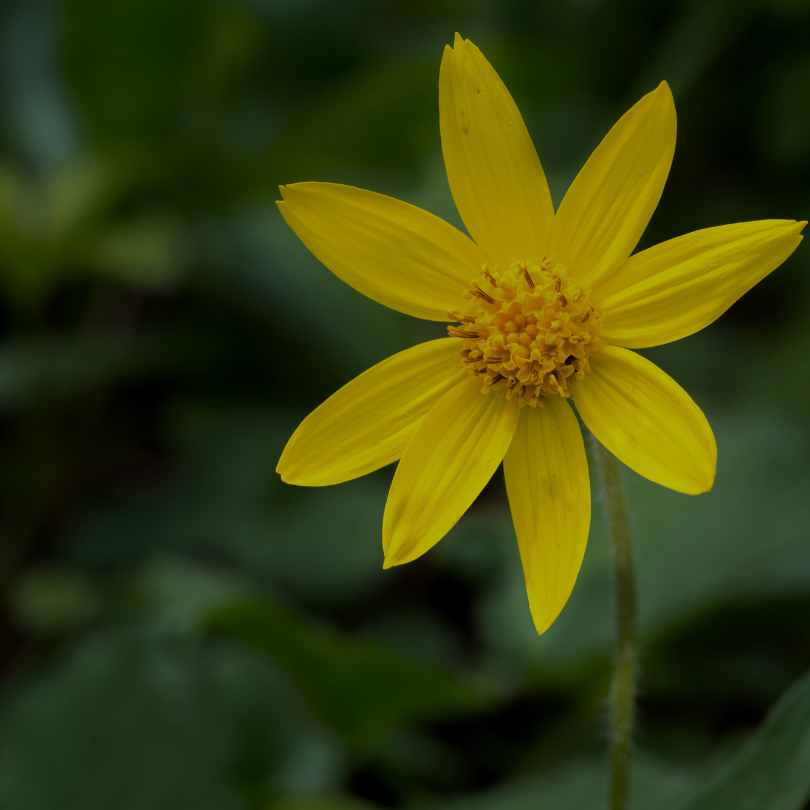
[180,629]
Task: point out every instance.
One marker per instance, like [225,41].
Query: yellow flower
[547,308]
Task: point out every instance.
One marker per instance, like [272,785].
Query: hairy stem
[622,697]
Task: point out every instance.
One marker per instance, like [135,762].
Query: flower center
[527,332]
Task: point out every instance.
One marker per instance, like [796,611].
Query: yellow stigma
[527,332]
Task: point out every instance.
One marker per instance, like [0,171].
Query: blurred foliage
[178,628]
[359,688]
[774,769]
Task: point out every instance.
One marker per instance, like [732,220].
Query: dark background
[180,629]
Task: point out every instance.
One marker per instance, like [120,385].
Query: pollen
[527,332]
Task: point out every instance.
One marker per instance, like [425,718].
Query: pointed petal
[392,252]
[608,206]
[494,172]
[647,421]
[676,288]
[369,422]
[449,460]
[549,492]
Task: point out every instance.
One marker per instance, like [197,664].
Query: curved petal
[369,422]
[676,288]
[647,421]
[393,252]
[494,172]
[449,460]
[549,492]
[610,202]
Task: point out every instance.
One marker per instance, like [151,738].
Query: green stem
[622,697]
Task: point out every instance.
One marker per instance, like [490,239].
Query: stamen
[454,315]
[462,333]
[479,293]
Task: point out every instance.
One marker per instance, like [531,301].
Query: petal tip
[542,627]
[293,192]
[544,622]
[392,559]
[662,95]
[289,472]
[703,485]
[709,484]
[458,41]
[285,474]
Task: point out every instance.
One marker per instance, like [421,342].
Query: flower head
[544,308]
[528,332]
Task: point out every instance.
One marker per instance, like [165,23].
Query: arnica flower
[545,309]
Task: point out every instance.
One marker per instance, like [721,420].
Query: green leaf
[132,720]
[147,252]
[49,599]
[359,687]
[772,772]
[581,784]
[61,364]
[339,803]
[126,62]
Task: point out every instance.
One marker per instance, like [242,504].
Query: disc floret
[527,332]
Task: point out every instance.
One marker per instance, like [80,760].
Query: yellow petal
[676,288]
[494,172]
[647,421]
[368,423]
[392,252]
[449,460]
[549,492]
[609,204]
